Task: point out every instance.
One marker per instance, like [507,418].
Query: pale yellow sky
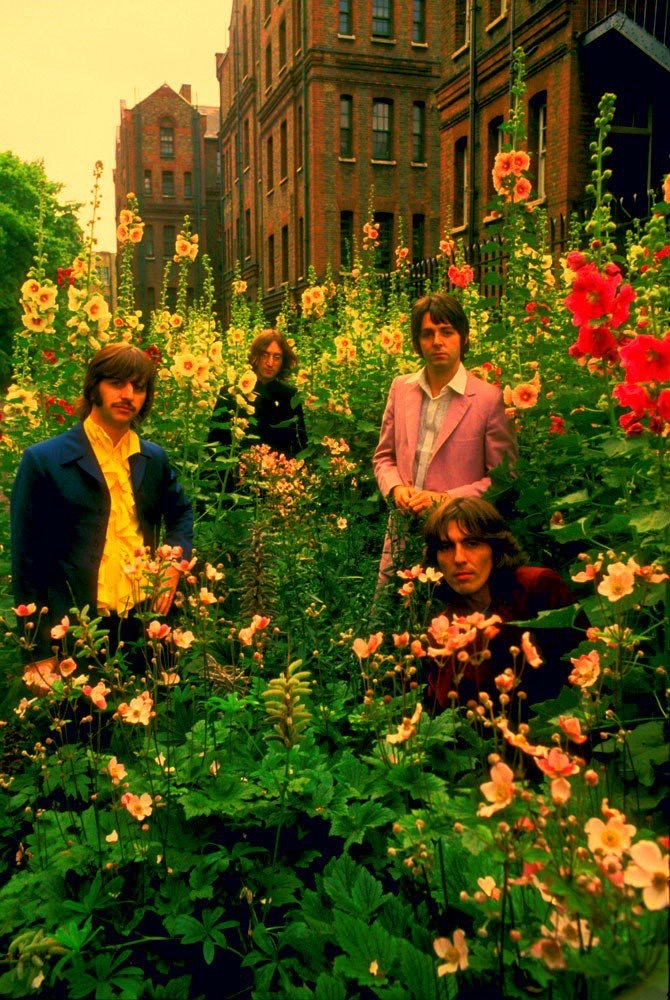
[65,66]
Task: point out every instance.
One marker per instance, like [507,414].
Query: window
[462,23]
[270,164]
[345,23]
[168,184]
[167,142]
[298,138]
[247,233]
[148,180]
[381,130]
[283,151]
[284,254]
[245,143]
[282,44]
[418,236]
[496,141]
[381,18]
[268,65]
[384,222]
[297,25]
[300,247]
[537,142]
[245,43]
[419,21]
[271,261]
[460,213]
[346,240]
[418,132]
[496,9]
[188,184]
[346,126]
[148,241]
[169,238]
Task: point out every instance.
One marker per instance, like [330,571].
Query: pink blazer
[473,439]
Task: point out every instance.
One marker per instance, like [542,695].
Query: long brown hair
[262,341]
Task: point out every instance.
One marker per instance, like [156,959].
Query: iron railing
[651,15]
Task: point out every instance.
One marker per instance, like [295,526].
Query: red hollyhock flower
[154,354]
[646,358]
[663,404]
[557,425]
[592,294]
[635,396]
[575,259]
[621,310]
[598,341]
[49,356]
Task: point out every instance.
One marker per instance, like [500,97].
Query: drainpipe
[307,215]
[472,111]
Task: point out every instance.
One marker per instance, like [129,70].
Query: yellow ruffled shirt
[118,591]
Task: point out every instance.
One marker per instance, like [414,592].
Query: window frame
[379,103]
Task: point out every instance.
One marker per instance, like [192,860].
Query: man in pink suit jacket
[443,429]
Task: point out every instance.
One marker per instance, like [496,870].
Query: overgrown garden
[265,809]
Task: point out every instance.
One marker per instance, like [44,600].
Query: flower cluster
[38,300]
[186,247]
[370,235]
[508,175]
[646,362]
[314,300]
[600,303]
[131,227]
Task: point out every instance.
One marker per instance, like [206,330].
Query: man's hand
[401,495]
[423,499]
[163,602]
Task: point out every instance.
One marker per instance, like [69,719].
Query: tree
[22,187]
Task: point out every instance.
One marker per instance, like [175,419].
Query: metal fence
[651,15]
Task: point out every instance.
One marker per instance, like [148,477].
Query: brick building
[320,104]
[575,52]
[167,154]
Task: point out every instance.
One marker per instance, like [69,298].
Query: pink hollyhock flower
[116,771]
[525,395]
[613,837]
[520,161]
[533,658]
[460,276]
[619,581]
[58,631]
[416,649]
[590,571]
[557,764]
[455,954]
[572,728]
[522,189]
[666,188]
[649,872]
[646,358]
[401,641]
[586,669]
[499,791]
[410,574]
[363,649]
[169,678]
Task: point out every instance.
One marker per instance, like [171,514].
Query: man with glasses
[278,420]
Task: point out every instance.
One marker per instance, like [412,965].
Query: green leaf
[418,972]
[360,817]
[329,988]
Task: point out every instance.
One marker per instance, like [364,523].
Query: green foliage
[30,210]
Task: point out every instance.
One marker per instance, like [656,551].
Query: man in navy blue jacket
[83,501]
